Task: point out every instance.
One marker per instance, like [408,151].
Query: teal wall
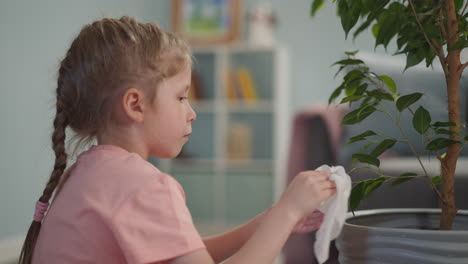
[34,36]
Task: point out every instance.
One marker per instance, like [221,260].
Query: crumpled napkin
[334,209]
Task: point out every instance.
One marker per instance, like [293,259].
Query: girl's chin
[170,154]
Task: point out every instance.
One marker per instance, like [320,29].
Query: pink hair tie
[39,213]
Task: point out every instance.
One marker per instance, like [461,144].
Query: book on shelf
[247,85]
[240,85]
[239,141]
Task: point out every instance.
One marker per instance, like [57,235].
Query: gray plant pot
[402,236]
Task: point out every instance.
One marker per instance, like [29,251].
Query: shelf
[220,189]
[249,165]
[260,106]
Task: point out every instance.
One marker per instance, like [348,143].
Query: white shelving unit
[221,190]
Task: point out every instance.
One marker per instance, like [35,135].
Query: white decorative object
[261,25]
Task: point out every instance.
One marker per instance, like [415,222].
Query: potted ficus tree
[427,31]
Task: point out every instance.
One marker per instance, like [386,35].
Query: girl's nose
[192,116]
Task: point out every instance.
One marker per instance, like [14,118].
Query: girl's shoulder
[118,170]
[115,158]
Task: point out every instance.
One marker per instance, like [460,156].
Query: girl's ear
[133,104]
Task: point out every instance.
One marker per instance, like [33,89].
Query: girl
[125,84]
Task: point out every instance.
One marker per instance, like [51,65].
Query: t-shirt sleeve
[154,224]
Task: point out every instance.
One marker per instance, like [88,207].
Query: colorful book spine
[247,85]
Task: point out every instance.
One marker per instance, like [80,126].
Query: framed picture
[207,22]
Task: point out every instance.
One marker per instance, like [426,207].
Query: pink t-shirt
[116,208]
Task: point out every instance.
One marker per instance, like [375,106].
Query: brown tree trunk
[449,163]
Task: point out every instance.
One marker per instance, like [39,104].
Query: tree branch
[463,66]
[441,24]
[442,58]
[464,9]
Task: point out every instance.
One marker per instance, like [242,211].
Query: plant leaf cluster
[367,90]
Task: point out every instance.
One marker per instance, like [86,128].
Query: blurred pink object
[299,249]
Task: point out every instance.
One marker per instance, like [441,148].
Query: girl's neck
[128,140]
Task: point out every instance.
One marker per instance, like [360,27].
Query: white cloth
[334,209]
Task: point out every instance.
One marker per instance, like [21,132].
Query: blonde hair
[106,58]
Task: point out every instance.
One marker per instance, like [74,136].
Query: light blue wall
[314,45]
[34,36]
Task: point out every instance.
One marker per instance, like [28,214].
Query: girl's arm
[224,245]
[303,195]
[262,247]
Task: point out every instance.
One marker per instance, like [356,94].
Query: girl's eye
[183,98]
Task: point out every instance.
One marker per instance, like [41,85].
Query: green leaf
[432,30]
[430,58]
[440,143]
[459,45]
[352,87]
[351,53]
[444,131]
[404,101]
[365,158]
[436,180]
[357,194]
[358,115]
[466,138]
[362,27]
[375,30]
[366,147]
[335,94]
[339,70]
[349,14]
[365,101]
[383,146]
[348,62]
[316,6]
[389,82]
[413,57]
[361,136]
[353,76]
[362,190]
[361,89]
[390,22]
[371,185]
[421,120]
[380,95]
[352,98]
[443,124]
[458,4]
[403,178]
[401,41]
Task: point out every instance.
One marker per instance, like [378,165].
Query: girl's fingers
[327,185]
[319,175]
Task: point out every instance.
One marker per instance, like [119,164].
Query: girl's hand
[309,223]
[305,193]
